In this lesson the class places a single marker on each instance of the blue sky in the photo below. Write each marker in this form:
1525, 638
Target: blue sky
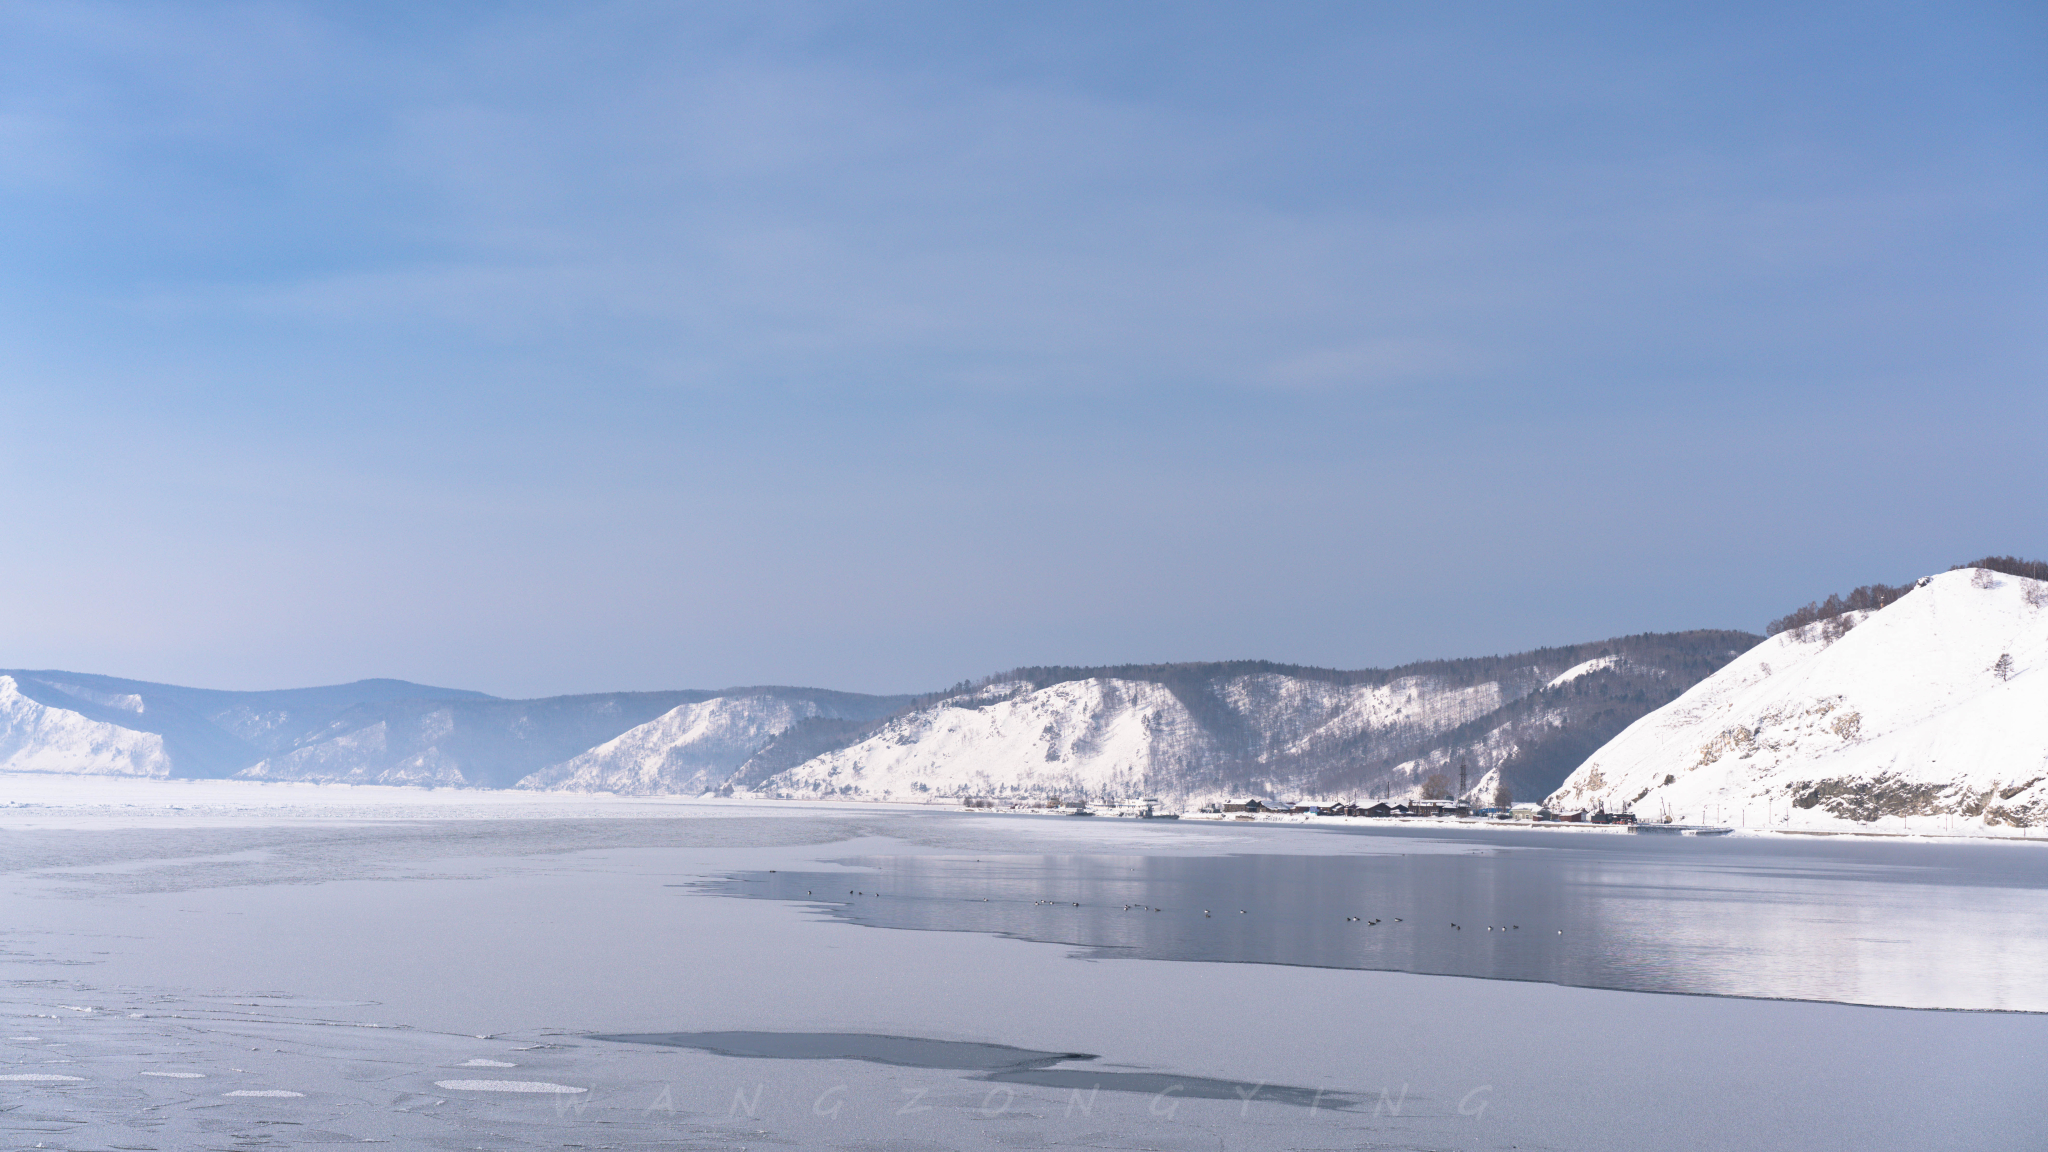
554, 348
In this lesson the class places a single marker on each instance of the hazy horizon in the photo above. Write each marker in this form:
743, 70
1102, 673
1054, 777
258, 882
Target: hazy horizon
539, 351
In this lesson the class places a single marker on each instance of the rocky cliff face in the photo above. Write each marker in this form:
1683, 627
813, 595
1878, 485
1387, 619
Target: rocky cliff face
1933, 708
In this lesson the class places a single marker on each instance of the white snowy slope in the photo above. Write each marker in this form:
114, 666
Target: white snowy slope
690, 749
1935, 706
1584, 669
362, 756
1080, 738
39, 738
124, 701
1107, 737
1298, 717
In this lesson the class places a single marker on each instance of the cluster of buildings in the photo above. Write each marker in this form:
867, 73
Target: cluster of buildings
1383, 808
1249, 808
1148, 808
1411, 808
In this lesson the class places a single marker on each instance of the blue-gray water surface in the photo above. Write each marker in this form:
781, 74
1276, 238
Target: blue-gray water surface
1918, 925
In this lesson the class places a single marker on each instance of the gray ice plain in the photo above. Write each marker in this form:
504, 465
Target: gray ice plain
216, 965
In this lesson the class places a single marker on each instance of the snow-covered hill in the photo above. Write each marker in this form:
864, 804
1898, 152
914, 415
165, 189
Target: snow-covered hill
1088, 738
1199, 732
699, 746
1932, 709
37, 737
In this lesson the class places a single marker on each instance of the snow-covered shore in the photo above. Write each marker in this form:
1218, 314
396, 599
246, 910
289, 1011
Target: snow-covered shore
1795, 824
39, 798
33, 800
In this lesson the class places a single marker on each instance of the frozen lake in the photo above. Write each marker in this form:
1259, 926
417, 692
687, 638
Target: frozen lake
1917, 925
281, 966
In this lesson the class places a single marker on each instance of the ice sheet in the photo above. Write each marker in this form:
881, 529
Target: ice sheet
363, 963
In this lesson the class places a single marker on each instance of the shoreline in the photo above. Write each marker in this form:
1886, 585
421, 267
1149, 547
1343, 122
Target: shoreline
79, 797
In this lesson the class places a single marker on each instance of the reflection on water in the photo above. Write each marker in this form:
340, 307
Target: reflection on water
1907, 925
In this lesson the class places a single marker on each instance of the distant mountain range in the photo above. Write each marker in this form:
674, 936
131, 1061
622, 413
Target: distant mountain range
1856, 709
394, 732
1181, 730
79, 722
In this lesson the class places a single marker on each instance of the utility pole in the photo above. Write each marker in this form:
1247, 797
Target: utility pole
1461, 779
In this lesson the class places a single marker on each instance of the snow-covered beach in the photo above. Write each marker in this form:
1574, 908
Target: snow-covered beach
213, 960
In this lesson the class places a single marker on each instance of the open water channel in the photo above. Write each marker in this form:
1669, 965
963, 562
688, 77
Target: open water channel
1901, 924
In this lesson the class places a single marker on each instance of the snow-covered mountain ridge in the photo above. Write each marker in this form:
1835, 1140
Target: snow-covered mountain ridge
635, 742
1892, 705
194, 732
1184, 730
368, 732
1201, 731
1934, 706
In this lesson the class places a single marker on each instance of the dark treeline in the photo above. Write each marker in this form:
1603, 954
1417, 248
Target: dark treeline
1554, 730
807, 738
1868, 598
1871, 597
1458, 673
2010, 566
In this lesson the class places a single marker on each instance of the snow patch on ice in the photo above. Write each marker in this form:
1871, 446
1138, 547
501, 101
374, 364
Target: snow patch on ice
506, 1086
